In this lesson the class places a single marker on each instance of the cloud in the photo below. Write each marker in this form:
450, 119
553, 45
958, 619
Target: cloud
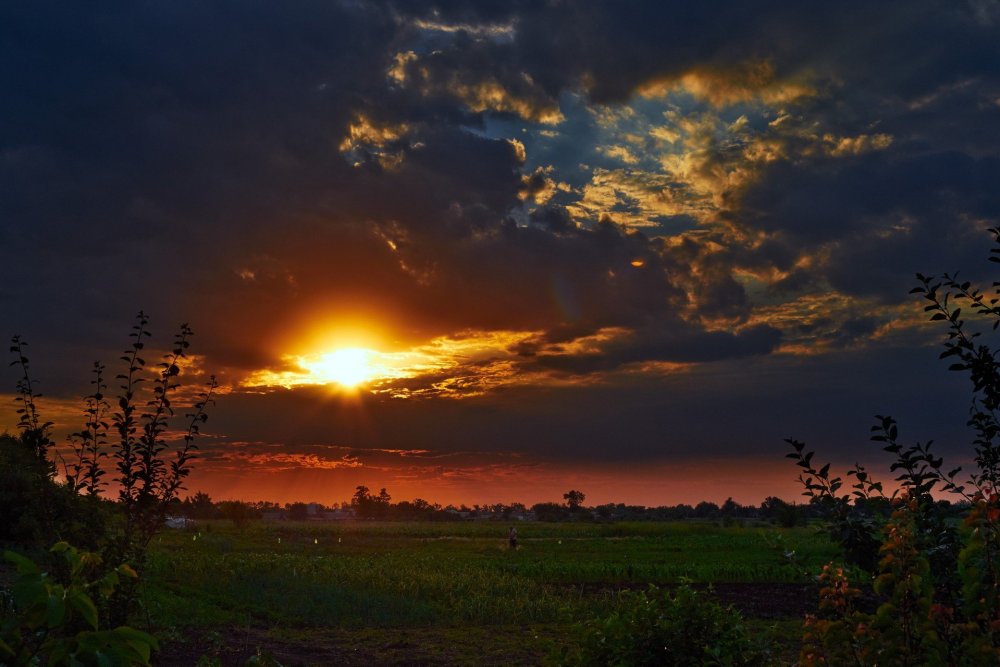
615, 192
659, 343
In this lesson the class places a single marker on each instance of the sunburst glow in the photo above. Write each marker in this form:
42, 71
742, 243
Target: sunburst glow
447, 365
348, 367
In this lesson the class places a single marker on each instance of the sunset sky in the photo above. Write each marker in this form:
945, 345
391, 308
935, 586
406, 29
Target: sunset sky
492, 251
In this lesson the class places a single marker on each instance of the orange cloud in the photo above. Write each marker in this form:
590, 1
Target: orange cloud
753, 81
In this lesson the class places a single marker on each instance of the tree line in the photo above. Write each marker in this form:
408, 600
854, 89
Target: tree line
365, 505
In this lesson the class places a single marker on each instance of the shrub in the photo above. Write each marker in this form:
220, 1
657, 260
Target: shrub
36, 509
131, 440
56, 623
938, 588
653, 627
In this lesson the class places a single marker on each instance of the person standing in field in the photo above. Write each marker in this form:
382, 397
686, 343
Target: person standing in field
512, 537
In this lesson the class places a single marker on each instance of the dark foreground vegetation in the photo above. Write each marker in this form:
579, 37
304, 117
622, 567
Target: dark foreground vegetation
903, 577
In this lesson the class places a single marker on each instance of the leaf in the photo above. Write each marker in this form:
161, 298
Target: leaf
59, 547
141, 642
107, 585
29, 592
82, 604
23, 565
55, 608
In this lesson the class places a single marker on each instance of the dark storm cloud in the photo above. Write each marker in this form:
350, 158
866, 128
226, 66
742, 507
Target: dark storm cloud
834, 198
683, 344
881, 216
614, 47
146, 147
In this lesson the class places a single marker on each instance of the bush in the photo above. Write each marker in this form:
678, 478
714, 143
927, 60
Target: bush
56, 623
131, 441
937, 588
653, 627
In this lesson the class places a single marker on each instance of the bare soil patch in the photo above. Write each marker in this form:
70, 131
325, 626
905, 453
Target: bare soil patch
410, 646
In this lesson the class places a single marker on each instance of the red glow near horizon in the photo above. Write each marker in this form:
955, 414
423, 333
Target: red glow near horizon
747, 482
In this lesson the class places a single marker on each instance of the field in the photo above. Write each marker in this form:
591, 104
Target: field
449, 593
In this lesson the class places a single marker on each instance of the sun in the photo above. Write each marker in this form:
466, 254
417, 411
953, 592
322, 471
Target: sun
348, 367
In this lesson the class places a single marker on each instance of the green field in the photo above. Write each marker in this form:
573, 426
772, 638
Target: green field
446, 593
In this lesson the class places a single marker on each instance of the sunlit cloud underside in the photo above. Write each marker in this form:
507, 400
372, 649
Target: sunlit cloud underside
442, 360
469, 364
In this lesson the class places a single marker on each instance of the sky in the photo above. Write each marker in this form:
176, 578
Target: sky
491, 251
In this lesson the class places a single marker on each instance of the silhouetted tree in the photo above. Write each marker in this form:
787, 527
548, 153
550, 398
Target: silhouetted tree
706, 510
782, 513
297, 511
550, 512
199, 506
368, 506
574, 499
238, 512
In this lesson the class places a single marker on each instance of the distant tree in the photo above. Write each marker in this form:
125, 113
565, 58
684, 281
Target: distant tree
732, 510
683, 511
786, 515
297, 511
421, 505
199, 506
706, 510
261, 506
368, 506
574, 499
361, 494
382, 505
550, 512
605, 512
238, 512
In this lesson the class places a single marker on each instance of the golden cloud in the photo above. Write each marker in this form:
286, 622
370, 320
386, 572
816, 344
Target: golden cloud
648, 194
491, 95
750, 82
368, 138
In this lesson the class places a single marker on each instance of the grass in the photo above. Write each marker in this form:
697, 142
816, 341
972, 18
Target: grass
364, 576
